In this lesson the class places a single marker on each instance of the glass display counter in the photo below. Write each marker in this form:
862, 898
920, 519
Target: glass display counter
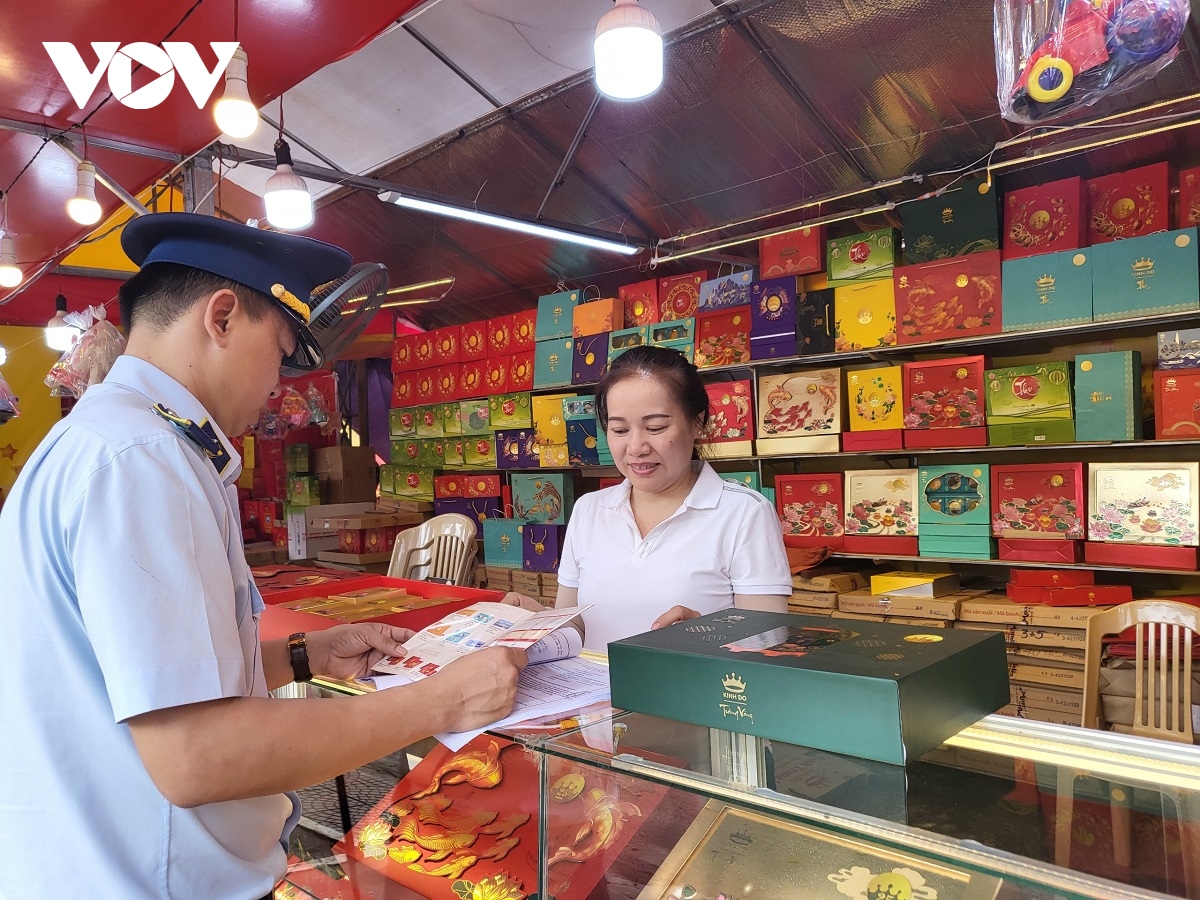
624, 805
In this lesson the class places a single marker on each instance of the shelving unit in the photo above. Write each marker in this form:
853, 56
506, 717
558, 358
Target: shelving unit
1002, 345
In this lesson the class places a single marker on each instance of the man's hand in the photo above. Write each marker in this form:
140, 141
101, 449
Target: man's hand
348, 651
673, 615
512, 598
480, 687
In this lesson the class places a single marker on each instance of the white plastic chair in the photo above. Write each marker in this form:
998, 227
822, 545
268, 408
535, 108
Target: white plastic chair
442, 548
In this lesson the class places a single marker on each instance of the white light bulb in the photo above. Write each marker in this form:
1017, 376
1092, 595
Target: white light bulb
83, 207
289, 204
3, 356
10, 275
236, 115
628, 52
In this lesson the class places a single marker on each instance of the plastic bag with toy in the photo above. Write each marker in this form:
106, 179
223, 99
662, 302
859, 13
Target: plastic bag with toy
91, 356
1054, 57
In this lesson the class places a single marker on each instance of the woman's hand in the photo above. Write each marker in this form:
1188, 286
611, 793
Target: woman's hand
512, 598
348, 651
673, 615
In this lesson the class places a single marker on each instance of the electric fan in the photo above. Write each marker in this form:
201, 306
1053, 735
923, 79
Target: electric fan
342, 308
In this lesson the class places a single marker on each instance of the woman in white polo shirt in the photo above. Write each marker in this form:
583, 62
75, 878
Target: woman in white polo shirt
674, 540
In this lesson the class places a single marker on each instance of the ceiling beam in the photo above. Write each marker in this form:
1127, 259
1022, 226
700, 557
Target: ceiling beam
49, 134
538, 138
784, 79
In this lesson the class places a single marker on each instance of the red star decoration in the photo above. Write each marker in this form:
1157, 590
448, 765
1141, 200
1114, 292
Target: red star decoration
8, 452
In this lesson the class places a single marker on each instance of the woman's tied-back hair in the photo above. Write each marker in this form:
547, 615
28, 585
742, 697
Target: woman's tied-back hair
669, 367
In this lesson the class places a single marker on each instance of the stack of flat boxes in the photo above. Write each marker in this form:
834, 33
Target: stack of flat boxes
816, 594
904, 598
1045, 646
954, 511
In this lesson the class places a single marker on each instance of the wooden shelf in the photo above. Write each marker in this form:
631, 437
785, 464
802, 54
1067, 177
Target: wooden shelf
1011, 563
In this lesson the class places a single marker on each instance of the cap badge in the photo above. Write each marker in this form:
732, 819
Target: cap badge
291, 301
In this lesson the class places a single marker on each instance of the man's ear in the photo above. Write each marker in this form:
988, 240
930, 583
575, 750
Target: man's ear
219, 311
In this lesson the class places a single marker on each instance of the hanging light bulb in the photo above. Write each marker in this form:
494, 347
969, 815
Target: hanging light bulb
83, 207
10, 275
628, 52
289, 204
3, 355
236, 115
59, 335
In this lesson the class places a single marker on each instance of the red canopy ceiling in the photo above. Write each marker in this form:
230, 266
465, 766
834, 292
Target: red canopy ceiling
286, 41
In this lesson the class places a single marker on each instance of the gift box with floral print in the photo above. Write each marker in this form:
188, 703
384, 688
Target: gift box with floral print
1144, 503
943, 403
1143, 514
730, 429
810, 510
875, 407
1036, 507
724, 337
881, 512
800, 412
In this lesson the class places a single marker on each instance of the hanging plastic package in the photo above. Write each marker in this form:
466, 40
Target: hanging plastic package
91, 356
1055, 57
8, 402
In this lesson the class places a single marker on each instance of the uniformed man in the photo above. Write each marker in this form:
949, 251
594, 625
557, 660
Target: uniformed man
140, 753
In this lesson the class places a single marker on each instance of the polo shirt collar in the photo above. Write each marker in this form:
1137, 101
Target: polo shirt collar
160, 388
705, 493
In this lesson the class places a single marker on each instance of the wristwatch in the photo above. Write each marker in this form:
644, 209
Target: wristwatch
298, 654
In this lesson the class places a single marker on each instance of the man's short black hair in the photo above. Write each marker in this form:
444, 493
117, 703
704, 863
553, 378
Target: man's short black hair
161, 293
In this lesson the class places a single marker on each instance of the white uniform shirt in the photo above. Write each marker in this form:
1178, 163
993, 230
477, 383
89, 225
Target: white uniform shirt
725, 539
125, 590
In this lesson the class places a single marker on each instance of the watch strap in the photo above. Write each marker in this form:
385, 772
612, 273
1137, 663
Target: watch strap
298, 654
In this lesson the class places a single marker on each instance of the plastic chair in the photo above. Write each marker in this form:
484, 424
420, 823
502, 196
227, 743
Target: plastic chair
442, 548
1162, 708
